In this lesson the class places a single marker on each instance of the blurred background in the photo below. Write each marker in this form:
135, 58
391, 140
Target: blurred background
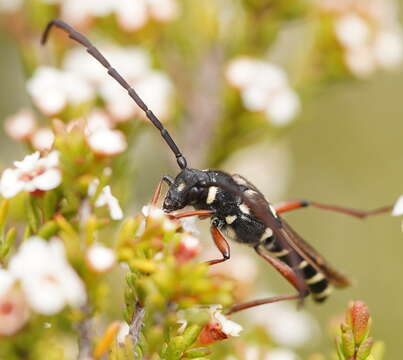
337, 140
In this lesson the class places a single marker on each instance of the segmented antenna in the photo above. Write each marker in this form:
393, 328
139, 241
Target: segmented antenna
92, 50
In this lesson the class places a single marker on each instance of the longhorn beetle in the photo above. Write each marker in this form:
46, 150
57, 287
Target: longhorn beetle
237, 209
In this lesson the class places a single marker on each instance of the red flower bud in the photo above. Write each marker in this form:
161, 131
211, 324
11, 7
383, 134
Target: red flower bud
211, 333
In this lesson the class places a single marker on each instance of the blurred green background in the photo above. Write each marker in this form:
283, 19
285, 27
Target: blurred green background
347, 149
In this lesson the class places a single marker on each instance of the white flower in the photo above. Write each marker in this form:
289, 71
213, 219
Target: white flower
106, 198
100, 258
52, 89
163, 10
133, 63
31, 174
7, 280
97, 120
228, 327
264, 87
398, 208
388, 49
282, 106
101, 138
189, 225
360, 61
131, 15
10, 6
107, 142
152, 212
352, 30
47, 279
370, 34
21, 125
43, 139
155, 90
242, 267
287, 326
281, 354
124, 330
14, 310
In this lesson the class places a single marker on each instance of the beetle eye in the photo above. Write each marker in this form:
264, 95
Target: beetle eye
194, 193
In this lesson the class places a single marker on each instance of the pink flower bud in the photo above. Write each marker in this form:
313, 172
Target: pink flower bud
359, 319
187, 249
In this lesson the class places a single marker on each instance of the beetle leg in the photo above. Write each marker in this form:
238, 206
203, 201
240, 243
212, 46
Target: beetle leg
221, 244
165, 179
157, 193
284, 271
201, 213
297, 204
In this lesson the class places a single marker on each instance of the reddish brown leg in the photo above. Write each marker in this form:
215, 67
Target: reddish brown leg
284, 271
293, 205
157, 193
167, 179
201, 213
221, 244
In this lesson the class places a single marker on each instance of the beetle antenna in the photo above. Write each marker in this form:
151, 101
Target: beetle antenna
92, 50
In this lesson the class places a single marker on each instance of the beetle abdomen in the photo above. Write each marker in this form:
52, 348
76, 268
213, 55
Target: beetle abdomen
315, 280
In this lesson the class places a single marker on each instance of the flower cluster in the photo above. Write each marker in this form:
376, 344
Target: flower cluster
32, 174
81, 80
368, 32
38, 278
264, 87
130, 15
23, 126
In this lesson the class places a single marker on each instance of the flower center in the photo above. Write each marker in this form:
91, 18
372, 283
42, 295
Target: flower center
28, 176
6, 308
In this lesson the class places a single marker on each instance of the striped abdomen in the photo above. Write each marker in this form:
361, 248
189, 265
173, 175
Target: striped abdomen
315, 280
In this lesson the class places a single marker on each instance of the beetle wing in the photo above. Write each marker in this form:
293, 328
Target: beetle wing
311, 255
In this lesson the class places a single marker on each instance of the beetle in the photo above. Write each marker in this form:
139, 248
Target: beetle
237, 209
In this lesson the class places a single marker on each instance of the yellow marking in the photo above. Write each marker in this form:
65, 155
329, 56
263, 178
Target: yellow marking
279, 253
268, 233
244, 208
324, 293
314, 279
230, 219
303, 264
212, 192
250, 192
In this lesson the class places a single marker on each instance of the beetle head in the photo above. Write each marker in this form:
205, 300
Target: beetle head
185, 189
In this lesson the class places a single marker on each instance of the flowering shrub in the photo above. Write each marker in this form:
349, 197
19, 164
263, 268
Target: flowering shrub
84, 275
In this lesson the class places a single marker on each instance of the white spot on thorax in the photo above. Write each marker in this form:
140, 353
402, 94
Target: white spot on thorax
244, 208
230, 219
181, 186
212, 192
